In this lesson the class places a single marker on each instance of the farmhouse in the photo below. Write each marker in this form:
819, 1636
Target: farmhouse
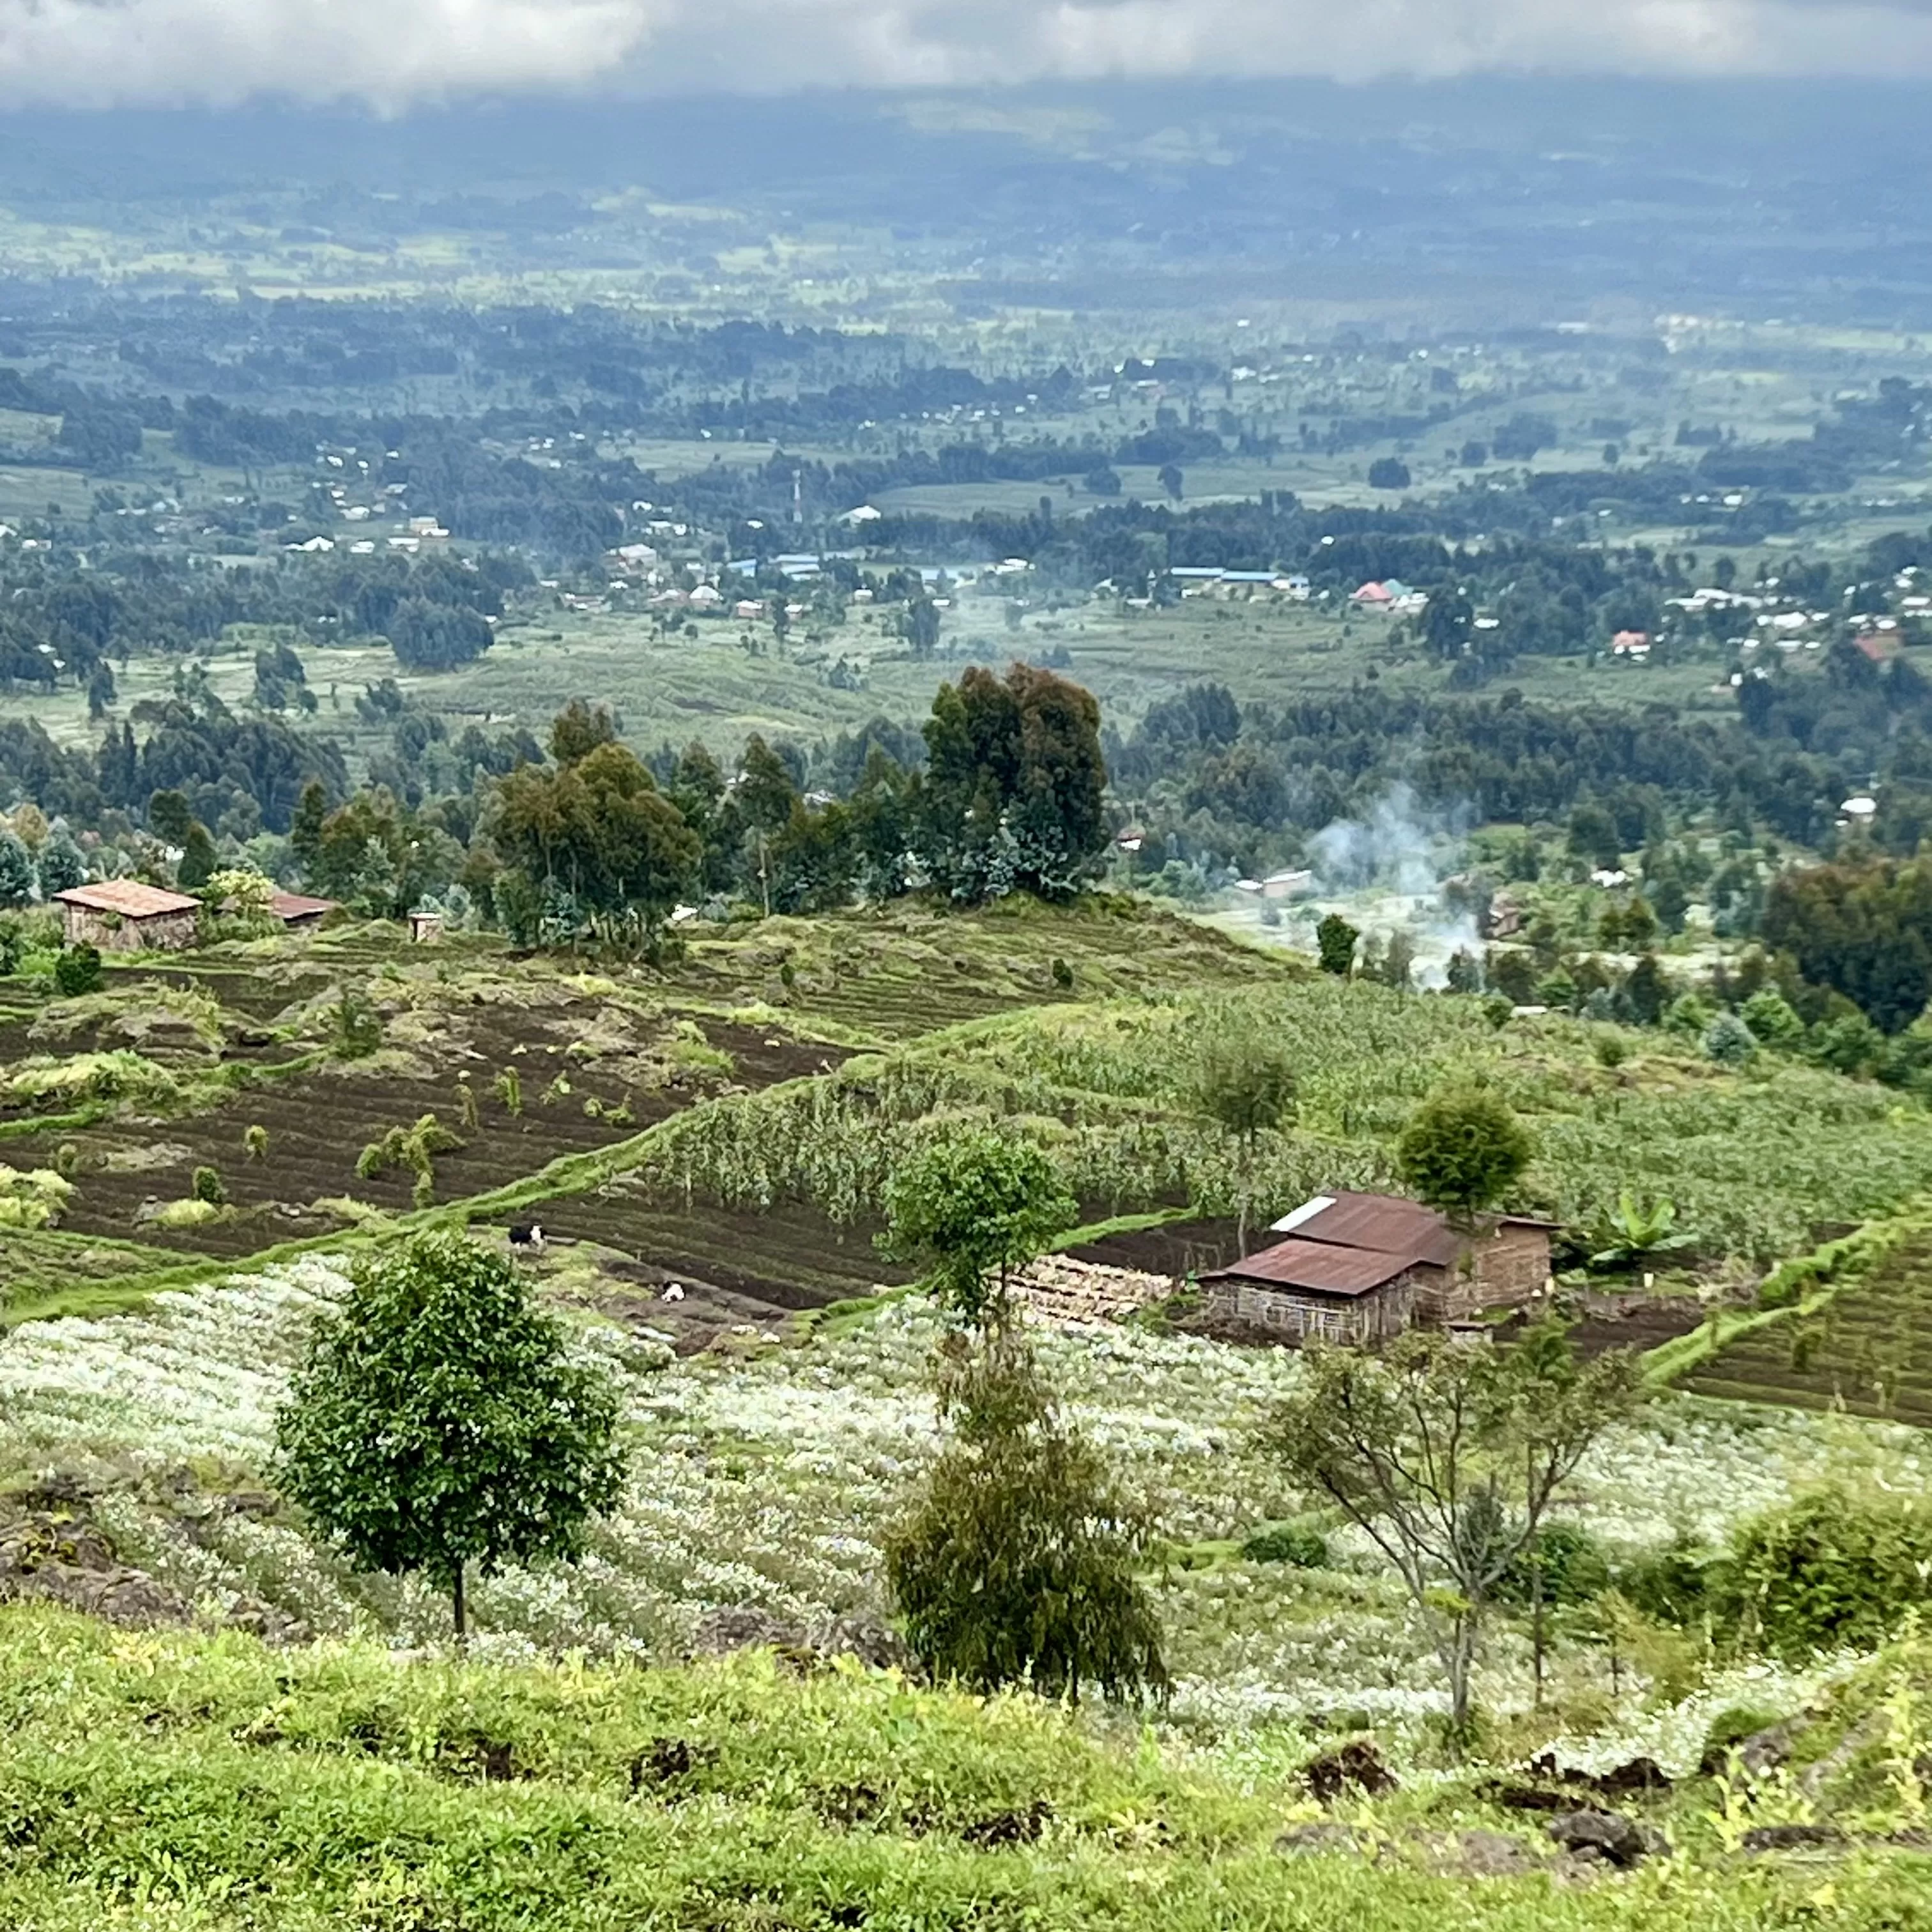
123, 915
298, 912
1359, 1268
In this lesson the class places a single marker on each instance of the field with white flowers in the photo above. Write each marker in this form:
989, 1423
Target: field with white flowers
763, 1475
731, 1124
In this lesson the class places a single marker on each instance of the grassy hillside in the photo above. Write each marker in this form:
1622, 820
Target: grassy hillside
167, 1782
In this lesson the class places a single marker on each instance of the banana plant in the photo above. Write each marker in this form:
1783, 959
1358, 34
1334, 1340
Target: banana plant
1633, 1231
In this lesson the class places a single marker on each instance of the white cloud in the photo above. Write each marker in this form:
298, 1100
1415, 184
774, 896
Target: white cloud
100, 51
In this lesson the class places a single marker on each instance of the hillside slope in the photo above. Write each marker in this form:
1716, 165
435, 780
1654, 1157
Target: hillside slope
167, 1782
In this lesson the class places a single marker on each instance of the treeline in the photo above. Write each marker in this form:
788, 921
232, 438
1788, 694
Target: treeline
1209, 777
588, 842
60, 623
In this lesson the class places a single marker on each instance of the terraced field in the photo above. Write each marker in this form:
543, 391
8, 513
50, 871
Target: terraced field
1869, 1351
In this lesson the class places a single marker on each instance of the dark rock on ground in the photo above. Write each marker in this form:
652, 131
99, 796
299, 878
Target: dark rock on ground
1019, 1826
1606, 1835
57, 1554
1524, 1797
1790, 1838
1357, 1766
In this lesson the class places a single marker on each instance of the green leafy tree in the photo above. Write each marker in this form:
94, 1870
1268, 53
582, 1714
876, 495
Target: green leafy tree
1013, 798
1019, 1561
437, 1422
973, 1207
1462, 1150
919, 626
1335, 942
1448, 1457
60, 865
1244, 1082
199, 861
1772, 1022
17, 871
599, 829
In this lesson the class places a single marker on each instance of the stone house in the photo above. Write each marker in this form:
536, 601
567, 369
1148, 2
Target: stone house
1358, 1268
124, 916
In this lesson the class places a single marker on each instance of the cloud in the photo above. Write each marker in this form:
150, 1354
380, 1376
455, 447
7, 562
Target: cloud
392, 52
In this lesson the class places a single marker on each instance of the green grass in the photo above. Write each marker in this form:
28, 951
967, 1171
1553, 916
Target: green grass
174, 1781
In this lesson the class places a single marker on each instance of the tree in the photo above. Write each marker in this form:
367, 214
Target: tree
599, 829
578, 729
1448, 1456
198, 860
437, 1422
1018, 1562
1335, 940
1388, 472
919, 626
1170, 479
1462, 1150
1015, 786
1447, 620
16, 870
1245, 1083
972, 1207
305, 828
60, 866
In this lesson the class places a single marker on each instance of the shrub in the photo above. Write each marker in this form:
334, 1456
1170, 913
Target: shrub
1299, 1545
1018, 1564
509, 1087
1829, 1571
209, 1187
1610, 1050
1729, 1041
1063, 975
1564, 1561
77, 971
1462, 1150
357, 1026
255, 1143
1772, 1022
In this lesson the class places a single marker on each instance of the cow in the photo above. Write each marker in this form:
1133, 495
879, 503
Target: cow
526, 1237
675, 1292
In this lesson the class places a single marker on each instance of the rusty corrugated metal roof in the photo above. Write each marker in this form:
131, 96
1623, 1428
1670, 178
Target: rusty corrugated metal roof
1386, 1223
298, 905
129, 898
1317, 1266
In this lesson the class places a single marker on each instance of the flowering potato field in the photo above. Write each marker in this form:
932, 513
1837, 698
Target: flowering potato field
764, 1476
1754, 1161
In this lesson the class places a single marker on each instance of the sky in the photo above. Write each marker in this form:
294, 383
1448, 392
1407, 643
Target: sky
391, 55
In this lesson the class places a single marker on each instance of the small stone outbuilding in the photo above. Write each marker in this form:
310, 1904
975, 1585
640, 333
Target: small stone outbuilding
124, 916
1360, 1268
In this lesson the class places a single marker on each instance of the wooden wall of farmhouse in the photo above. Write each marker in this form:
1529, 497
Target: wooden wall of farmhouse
1511, 1265
110, 932
1295, 1317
